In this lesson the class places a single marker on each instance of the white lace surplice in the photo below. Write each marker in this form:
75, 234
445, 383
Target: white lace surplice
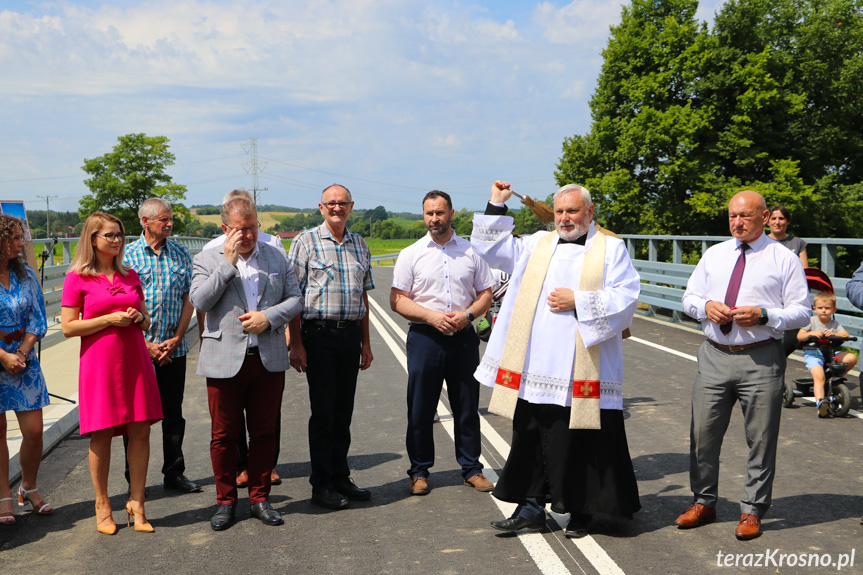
602, 315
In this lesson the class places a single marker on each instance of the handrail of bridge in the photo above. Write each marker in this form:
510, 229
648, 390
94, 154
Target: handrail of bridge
827, 260
663, 283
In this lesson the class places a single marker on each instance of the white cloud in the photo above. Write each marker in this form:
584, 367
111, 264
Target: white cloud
395, 91
581, 22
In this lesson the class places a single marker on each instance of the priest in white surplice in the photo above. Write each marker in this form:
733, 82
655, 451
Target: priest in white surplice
555, 360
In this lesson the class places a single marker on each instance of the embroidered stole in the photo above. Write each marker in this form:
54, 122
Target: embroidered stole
585, 388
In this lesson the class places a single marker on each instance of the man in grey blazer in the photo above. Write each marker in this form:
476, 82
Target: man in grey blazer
249, 293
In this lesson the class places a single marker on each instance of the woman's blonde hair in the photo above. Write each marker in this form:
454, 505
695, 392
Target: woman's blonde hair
9, 225
84, 262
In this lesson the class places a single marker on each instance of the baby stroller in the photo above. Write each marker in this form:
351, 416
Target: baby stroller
835, 391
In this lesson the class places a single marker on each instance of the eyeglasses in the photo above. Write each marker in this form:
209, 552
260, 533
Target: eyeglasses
112, 237
250, 229
333, 205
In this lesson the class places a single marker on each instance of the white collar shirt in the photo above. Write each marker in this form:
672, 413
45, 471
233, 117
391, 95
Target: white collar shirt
441, 278
248, 271
773, 279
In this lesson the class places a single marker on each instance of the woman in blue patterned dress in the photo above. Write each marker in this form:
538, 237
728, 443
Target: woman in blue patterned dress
22, 385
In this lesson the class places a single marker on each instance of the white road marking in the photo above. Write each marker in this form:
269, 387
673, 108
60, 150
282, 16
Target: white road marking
535, 543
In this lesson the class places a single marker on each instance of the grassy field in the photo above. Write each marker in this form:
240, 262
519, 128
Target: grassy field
267, 219
377, 247
404, 223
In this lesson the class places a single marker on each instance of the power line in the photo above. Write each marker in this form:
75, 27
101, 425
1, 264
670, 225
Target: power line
253, 166
48, 212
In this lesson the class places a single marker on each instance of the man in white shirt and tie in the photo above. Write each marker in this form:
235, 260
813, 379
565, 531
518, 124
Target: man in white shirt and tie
745, 292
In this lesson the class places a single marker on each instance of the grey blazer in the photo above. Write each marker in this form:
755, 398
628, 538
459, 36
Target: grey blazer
217, 290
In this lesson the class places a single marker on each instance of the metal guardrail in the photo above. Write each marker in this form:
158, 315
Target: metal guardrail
379, 260
663, 285
827, 259
55, 274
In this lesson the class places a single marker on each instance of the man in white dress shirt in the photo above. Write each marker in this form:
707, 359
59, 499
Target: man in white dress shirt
582, 471
440, 284
745, 292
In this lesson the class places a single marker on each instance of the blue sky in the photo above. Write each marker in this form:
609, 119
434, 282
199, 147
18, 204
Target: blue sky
389, 97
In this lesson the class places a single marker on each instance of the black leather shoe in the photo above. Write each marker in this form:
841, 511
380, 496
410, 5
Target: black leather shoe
577, 526
517, 523
223, 518
349, 489
329, 499
181, 483
265, 512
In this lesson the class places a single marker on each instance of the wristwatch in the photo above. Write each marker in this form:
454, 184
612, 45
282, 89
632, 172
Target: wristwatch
763, 319
470, 317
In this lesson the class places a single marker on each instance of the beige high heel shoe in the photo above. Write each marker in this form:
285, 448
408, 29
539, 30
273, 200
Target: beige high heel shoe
24, 497
7, 518
144, 526
105, 524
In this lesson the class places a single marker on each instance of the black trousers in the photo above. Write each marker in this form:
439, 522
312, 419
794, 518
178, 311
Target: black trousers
171, 379
333, 361
432, 358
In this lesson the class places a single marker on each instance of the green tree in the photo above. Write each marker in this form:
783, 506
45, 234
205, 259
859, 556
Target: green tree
684, 117
378, 214
123, 178
643, 155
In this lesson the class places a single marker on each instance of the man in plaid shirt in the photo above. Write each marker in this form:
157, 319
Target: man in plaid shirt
165, 269
331, 342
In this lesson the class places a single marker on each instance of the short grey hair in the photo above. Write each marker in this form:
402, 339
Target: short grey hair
569, 188
241, 205
350, 197
152, 207
237, 193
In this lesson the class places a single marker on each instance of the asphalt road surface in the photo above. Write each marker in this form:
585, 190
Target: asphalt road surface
815, 514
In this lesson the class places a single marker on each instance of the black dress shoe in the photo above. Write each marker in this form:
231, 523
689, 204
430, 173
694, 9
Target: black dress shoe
329, 499
577, 526
517, 523
181, 483
265, 512
349, 489
223, 518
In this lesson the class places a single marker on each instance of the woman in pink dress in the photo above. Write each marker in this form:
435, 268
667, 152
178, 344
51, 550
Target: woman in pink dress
103, 304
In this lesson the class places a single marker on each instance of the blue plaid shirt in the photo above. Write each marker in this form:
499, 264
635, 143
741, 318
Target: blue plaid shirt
332, 275
165, 278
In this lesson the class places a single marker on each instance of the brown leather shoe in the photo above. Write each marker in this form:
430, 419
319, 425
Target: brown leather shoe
696, 515
419, 485
243, 479
479, 482
274, 478
749, 527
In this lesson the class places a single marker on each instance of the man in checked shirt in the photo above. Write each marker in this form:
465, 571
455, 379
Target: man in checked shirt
331, 342
165, 269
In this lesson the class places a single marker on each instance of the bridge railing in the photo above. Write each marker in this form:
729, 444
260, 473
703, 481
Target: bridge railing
55, 274
663, 283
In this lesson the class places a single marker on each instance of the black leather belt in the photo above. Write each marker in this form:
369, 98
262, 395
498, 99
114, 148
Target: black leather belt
737, 348
333, 323
253, 351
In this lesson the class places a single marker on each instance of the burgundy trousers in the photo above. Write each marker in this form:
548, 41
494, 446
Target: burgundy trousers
257, 391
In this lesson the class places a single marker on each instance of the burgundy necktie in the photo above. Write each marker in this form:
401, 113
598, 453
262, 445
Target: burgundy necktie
734, 286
